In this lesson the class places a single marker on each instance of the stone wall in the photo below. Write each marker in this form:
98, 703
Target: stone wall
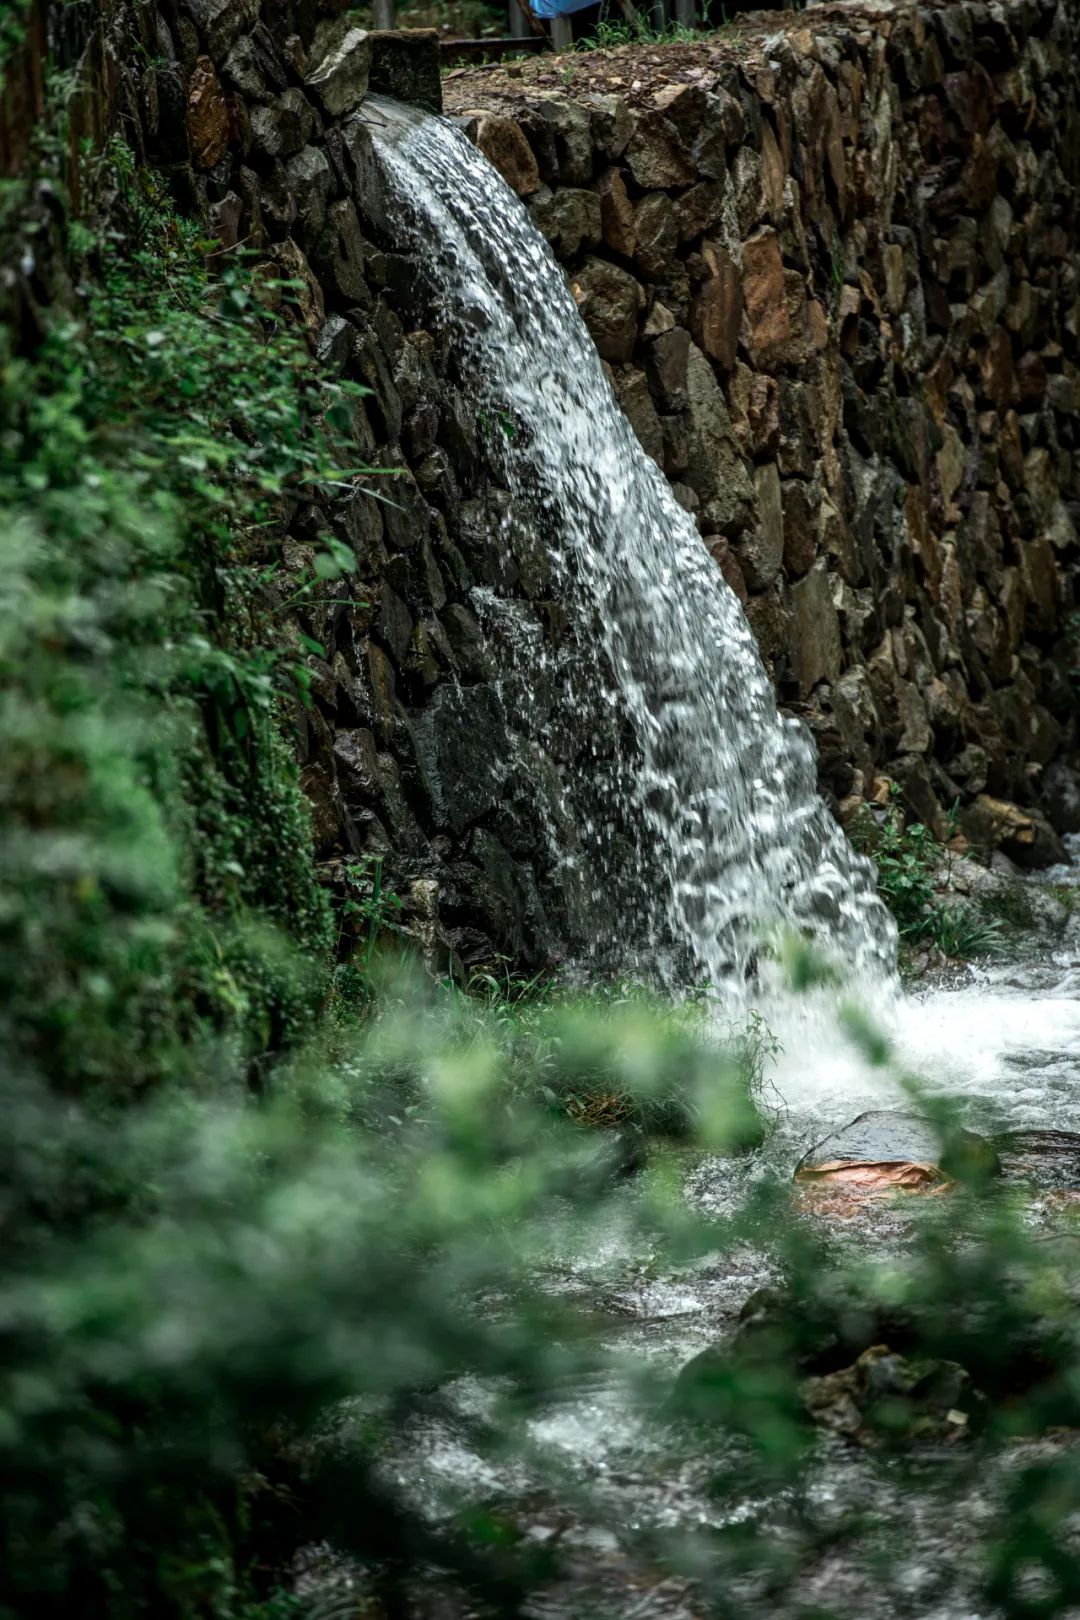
251, 110
830, 260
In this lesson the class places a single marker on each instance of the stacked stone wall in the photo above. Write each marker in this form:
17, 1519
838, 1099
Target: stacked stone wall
830, 262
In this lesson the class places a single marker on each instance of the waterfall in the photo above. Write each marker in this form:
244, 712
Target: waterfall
700, 824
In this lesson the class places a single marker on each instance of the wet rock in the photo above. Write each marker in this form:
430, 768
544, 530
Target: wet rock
569, 218
1060, 788
558, 132
1045, 1159
339, 255
255, 67
220, 21
815, 629
666, 364
656, 156
283, 126
405, 65
656, 235
888, 1397
717, 307
761, 548
633, 394
311, 181
888, 1149
616, 214
715, 470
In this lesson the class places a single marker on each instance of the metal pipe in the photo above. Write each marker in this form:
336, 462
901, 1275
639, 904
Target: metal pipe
384, 13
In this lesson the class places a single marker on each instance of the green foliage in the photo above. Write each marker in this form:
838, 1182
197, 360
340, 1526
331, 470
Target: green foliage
167, 1364
157, 836
909, 860
611, 33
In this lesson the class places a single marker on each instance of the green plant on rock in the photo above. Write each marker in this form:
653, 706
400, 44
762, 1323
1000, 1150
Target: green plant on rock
908, 860
158, 839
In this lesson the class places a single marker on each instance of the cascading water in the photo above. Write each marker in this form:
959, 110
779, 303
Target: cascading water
715, 791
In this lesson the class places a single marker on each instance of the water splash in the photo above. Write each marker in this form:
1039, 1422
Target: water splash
696, 803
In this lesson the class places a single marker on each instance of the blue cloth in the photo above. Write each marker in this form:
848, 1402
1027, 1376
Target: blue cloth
558, 8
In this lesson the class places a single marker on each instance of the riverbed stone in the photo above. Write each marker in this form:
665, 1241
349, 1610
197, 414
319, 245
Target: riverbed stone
889, 1137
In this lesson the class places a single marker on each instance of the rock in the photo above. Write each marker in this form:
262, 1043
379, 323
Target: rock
1060, 791
655, 155
885, 1396
559, 134
656, 235
715, 470
761, 547
666, 364
341, 55
610, 302
1047, 1159
504, 145
815, 630
568, 218
207, 116
306, 296
699, 209
717, 307
255, 67
616, 214
461, 749
1023, 835
775, 301
611, 124
311, 181
283, 126
632, 392
405, 64
339, 255
221, 21
885, 1150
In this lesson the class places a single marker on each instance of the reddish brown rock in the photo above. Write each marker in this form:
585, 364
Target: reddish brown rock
775, 302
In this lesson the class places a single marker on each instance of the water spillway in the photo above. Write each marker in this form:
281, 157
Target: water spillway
695, 802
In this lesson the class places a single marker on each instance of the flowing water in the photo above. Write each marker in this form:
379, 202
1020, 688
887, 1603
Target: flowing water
728, 835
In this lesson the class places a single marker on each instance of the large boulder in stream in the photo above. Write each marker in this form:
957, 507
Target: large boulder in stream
886, 1150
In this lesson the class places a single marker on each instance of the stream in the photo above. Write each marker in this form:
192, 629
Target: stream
1002, 1038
